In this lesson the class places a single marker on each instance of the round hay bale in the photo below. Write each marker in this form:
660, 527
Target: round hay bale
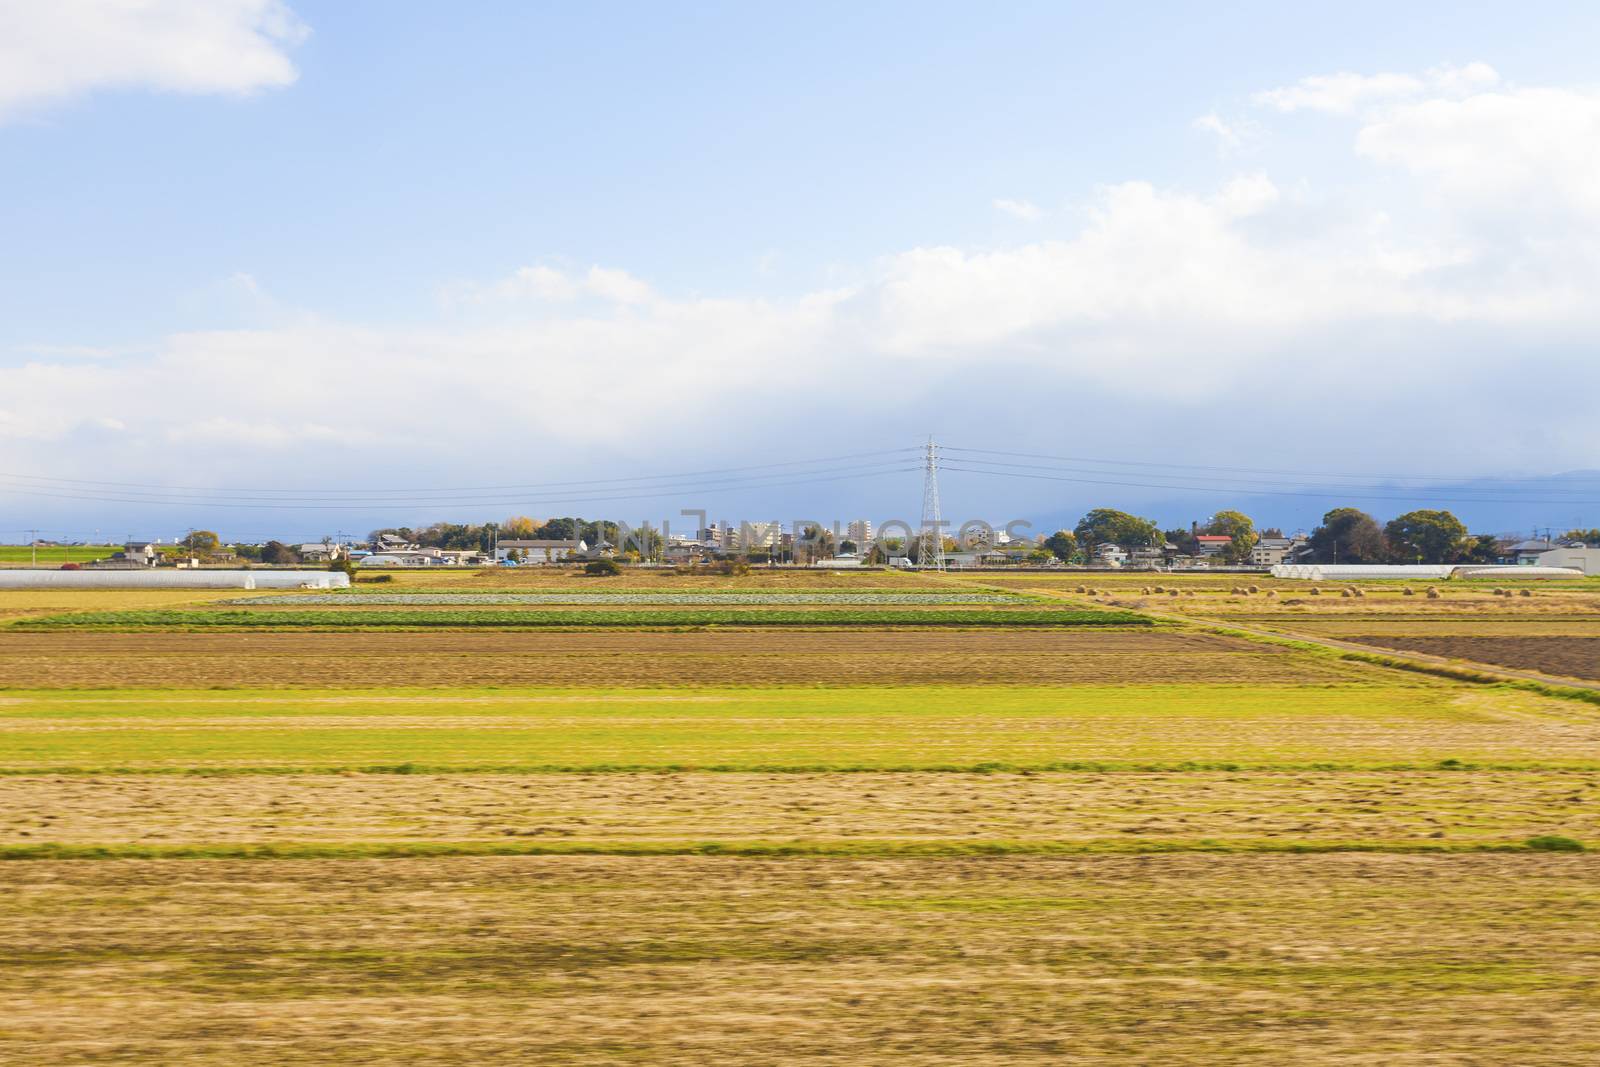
1347, 594
1408, 591
1080, 589
1315, 591
1433, 594
1524, 592
1272, 594
1254, 589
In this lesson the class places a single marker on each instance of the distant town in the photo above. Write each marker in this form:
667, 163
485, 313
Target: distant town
1104, 538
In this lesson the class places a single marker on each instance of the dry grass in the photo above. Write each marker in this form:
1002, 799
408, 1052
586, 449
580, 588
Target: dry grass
1234, 809
93, 659
26, 603
601, 960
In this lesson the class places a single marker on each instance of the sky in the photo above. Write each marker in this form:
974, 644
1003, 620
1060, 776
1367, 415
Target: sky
295, 269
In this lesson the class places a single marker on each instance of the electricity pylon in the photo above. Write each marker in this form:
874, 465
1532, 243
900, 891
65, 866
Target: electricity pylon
930, 542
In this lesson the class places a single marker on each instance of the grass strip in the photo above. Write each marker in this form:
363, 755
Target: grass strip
533, 620
409, 850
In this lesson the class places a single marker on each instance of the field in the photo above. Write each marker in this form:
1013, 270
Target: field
798, 817
54, 555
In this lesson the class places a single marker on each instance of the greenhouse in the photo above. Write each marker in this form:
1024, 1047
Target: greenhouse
1349, 572
184, 578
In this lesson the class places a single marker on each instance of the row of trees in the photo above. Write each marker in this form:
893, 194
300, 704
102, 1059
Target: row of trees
1346, 535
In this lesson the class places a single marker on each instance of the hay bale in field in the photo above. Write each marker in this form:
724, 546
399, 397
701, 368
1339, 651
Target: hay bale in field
1145, 591
1525, 592
1255, 589
1497, 591
1358, 592
1433, 594
1080, 589
1272, 594
1161, 589
1347, 594
1315, 591
1408, 591
1174, 592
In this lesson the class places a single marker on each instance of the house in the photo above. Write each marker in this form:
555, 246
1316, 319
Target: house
141, 552
392, 543
320, 553
542, 550
1111, 555
843, 561
1212, 544
1271, 551
1527, 553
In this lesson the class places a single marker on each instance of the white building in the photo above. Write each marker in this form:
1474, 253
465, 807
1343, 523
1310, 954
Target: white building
860, 532
1586, 560
538, 551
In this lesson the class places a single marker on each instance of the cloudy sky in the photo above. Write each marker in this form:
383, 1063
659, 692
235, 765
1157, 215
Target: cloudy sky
307, 267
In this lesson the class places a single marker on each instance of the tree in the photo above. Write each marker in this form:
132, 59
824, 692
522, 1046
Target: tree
1238, 526
1481, 548
1348, 535
1062, 544
1104, 526
1588, 537
278, 552
201, 542
345, 566
1183, 540
1425, 535
518, 527
602, 568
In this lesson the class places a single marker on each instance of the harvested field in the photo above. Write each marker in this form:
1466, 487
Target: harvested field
1184, 959
530, 579
1394, 626
364, 598
73, 659
27, 603
1447, 809
1416, 725
1573, 657
506, 617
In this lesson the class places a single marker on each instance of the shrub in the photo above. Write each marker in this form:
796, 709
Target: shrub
1554, 843
602, 568
376, 578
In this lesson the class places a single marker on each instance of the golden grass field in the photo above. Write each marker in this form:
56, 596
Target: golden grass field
994, 845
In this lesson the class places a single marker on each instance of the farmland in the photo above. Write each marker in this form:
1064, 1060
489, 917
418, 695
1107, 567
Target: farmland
966, 819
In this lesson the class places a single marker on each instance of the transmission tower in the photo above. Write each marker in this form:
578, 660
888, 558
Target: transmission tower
930, 543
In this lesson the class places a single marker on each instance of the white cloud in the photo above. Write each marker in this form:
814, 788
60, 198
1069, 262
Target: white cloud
1171, 313
1026, 210
1227, 134
60, 49
1346, 93
1526, 152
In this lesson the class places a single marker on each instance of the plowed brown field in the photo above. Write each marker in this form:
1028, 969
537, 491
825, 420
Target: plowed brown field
1574, 657
244, 660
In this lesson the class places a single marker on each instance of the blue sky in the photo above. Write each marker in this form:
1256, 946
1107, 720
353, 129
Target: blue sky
260, 245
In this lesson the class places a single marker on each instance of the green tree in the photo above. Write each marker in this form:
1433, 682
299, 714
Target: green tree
1480, 548
1426, 535
602, 568
1238, 526
201, 542
1062, 544
1104, 526
1348, 535
1588, 537
279, 553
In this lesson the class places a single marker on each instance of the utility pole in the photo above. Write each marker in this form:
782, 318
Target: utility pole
33, 542
930, 545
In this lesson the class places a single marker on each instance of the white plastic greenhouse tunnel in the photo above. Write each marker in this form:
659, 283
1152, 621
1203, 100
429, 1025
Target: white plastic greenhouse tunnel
172, 579
1349, 572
